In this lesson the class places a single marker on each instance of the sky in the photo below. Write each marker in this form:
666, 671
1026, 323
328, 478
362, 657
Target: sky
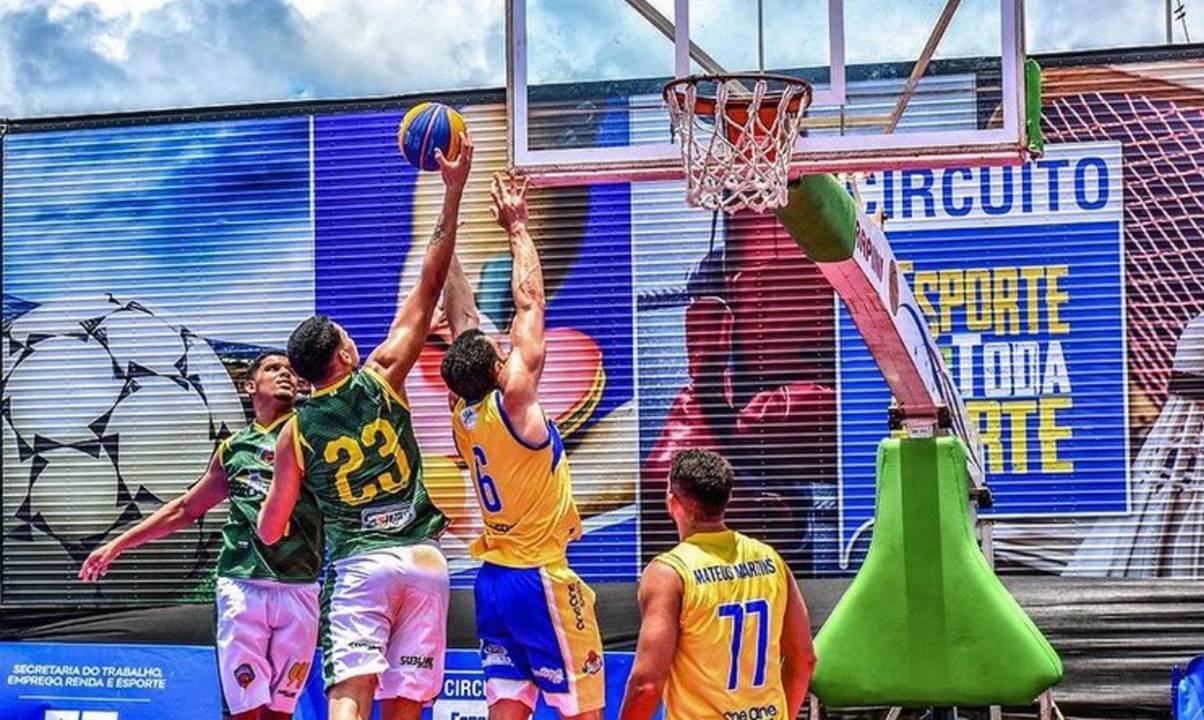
65, 57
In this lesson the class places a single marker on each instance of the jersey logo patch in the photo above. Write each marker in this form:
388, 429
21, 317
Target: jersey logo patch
255, 482
389, 517
244, 675
422, 662
267, 454
495, 655
577, 603
468, 417
552, 675
593, 663
297, 674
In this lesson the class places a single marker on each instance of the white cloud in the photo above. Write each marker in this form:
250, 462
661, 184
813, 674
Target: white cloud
387, 48
1089, 24
78, 56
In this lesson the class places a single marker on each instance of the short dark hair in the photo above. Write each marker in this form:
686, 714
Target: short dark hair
704, 479
260, 359
468, 366
312, 346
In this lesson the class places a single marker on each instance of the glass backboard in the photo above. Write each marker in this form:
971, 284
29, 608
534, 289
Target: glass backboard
920, 83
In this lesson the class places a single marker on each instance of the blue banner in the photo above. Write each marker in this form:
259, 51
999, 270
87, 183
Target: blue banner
1019, 274
69, 681
61, 681
463, 696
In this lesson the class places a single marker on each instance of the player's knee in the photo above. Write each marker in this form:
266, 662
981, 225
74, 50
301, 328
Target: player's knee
509, 710
350, 696
400, 709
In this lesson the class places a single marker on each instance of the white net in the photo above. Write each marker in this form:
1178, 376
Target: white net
735, 141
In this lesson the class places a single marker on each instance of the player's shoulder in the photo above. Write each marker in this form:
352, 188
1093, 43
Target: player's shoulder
244, 438
241, 435
751, 543
751, 546
272, 430
486, 411
463, 414
371, 379
682, 557
665, 570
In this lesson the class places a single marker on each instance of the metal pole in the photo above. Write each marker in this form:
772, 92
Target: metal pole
666, 28
1170, 23
760, 35
921, 66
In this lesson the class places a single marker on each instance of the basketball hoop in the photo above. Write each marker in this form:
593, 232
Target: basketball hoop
736, 144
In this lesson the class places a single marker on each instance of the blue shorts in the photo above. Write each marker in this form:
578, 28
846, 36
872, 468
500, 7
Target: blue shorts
538, 633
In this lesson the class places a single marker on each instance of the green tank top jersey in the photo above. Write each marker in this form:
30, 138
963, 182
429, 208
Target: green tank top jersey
362, 463
247, 457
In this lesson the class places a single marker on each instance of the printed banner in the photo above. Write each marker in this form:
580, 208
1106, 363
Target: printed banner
1018, 272
76, 681
463, 696
736, 354
61, 681
153, 292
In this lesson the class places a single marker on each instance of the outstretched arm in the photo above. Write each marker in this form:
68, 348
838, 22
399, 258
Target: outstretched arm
394, 357
459, 309
286, 486
459, 305
520, 377
660, 611
798, 654
181, 512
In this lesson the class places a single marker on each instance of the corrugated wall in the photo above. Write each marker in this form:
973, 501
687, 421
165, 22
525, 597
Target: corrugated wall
145, 265
136, 260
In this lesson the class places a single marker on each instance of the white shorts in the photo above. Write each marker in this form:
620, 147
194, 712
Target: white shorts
266, 632
384, 613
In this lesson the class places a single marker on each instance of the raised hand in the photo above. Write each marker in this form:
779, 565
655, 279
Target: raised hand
455, 172
509, 193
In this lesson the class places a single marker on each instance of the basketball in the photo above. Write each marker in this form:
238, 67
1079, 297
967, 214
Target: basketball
426, 127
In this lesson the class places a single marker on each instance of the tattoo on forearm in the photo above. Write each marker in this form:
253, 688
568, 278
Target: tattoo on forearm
530, 278
439, 234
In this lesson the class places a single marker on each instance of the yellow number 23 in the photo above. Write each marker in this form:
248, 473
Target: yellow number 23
381, 435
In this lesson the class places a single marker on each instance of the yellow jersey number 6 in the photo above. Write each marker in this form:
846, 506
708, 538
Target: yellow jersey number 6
370, 436
485, 484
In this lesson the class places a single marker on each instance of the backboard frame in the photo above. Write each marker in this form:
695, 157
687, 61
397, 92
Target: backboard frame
1006, 145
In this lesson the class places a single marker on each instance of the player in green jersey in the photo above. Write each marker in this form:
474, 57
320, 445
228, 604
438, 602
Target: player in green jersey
384, 600
267, 595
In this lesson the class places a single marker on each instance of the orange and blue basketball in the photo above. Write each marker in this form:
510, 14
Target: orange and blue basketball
428, 126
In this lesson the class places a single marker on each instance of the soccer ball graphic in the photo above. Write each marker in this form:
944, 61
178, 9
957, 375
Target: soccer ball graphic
110, 408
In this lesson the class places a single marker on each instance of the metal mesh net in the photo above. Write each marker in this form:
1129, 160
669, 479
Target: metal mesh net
736, 133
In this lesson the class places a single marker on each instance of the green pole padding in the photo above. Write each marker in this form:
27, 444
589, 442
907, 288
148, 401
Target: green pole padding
926, 622
1032, 107
821, 216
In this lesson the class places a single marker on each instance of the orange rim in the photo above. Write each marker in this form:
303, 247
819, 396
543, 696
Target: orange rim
738, 107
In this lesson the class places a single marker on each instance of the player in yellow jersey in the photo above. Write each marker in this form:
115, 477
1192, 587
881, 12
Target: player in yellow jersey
535, 617
724, 631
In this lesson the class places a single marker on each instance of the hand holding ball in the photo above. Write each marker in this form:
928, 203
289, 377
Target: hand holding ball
428, 127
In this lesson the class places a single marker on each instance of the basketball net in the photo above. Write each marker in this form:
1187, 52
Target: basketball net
735, 143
